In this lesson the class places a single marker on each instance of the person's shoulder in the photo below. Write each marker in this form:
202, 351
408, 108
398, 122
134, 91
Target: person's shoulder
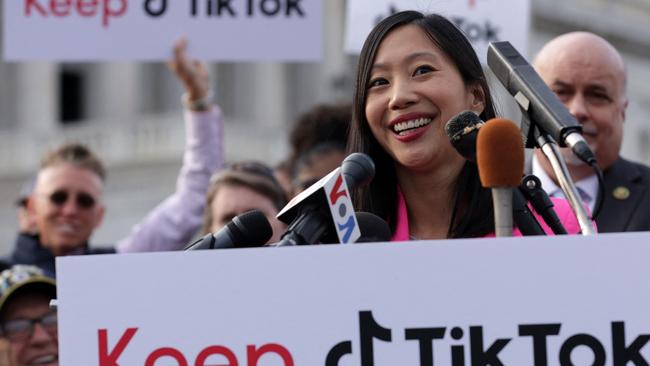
634, 170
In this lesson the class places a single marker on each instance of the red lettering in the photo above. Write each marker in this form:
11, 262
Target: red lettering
335, 194
108, 12
29, 4
110, 359
60, 8
166, 352
216, 350
87, 8
255, 354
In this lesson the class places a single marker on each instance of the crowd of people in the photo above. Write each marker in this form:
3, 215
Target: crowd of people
415, 72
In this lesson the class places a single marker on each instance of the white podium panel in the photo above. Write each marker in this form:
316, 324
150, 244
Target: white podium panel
512, 301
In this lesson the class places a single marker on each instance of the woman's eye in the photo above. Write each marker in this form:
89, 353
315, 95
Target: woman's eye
422, 70
377, 82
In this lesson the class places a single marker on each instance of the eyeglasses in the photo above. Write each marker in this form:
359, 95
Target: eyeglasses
83, 200
20, 330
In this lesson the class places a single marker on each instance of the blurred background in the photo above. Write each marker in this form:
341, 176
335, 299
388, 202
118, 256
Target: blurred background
130, 113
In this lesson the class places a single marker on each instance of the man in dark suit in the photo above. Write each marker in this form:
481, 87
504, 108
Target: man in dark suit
588, 75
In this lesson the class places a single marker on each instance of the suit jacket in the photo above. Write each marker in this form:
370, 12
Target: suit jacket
626, 204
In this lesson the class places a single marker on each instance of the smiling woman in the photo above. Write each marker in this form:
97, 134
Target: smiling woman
415, 73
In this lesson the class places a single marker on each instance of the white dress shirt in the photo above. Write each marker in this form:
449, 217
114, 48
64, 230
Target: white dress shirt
587, 187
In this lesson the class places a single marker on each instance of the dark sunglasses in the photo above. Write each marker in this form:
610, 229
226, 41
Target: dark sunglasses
83, 200
20, 330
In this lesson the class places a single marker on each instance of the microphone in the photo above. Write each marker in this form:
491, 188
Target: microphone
373, 228
250, 229
462, 131
324, 211
500, 158
535, 98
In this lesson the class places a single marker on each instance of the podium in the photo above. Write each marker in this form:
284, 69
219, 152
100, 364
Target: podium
519, 301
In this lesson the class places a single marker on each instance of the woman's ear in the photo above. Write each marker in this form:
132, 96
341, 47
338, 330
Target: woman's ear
477, 98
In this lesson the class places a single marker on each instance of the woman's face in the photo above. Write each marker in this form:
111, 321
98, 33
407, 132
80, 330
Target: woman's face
413, 90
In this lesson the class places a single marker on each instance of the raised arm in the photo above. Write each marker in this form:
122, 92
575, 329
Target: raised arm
171, 224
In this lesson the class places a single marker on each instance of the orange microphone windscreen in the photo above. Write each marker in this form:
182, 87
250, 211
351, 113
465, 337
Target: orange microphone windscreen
500, 154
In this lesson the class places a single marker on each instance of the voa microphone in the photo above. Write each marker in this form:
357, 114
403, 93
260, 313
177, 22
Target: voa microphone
324, 212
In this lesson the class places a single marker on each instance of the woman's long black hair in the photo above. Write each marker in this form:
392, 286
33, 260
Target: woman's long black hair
473, 215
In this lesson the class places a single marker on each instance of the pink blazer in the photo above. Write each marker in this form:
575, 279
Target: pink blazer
562, 208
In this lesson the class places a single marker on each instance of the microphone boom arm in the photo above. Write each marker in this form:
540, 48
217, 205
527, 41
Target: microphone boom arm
552, 151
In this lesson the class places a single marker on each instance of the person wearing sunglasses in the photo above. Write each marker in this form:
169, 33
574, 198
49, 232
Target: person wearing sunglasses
28, 326
67, 204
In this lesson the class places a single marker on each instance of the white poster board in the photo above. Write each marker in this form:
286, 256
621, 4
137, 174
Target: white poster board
521, 300
482, 21
144, 30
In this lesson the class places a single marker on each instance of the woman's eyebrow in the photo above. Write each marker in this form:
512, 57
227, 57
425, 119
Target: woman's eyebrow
409, 58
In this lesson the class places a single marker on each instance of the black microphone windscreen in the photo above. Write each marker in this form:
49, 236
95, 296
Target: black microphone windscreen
358, 169
372, 227
462, 130
250, 229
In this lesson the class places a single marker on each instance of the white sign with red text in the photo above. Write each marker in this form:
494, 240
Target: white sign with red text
566, 300
144, 30
482, 21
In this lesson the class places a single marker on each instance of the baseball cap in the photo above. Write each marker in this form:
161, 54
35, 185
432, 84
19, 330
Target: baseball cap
20, 277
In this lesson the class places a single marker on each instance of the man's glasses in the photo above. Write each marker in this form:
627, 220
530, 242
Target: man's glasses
19, 330
83, 200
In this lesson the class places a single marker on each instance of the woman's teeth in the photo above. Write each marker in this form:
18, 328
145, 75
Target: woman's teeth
401, 127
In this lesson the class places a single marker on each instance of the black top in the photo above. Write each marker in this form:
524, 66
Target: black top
626, 204
28, 250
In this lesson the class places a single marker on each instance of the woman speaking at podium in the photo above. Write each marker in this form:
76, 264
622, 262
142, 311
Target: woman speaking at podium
415, 73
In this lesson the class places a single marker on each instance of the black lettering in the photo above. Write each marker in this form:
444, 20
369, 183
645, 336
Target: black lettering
368, 330
457, 351
274, 9
539, 332
489, 356
156, 11
293, 5
425, 337
491, 32
193, 8
249, 8
622, 354
225, 5
337, 352
457, 355
582, 340
473, 32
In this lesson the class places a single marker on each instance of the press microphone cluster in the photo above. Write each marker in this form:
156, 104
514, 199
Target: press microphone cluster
462, 131
321, 214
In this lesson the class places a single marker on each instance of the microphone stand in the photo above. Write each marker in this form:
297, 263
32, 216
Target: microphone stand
531, 189
552, 151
